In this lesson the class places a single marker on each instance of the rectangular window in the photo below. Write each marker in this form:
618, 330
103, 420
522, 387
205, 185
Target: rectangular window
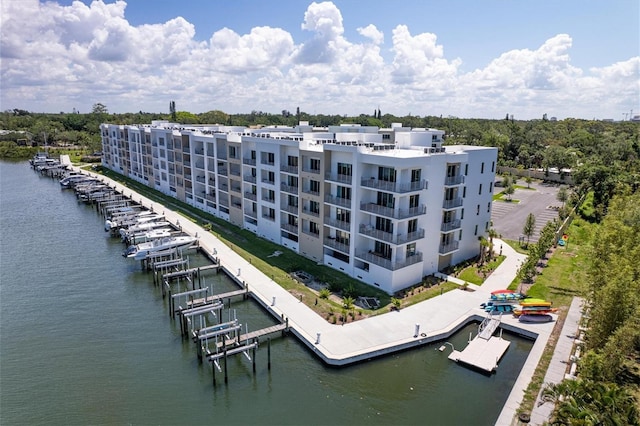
490, 187
343, 215
387, 174
411, 249
315, 164
488, 207
475, 232
482, 167
460, 235
414, 200
314, 228
344, 169
478, 210
386, 200
292, 200
462, 214
271, 158
383, 224
292, 161
343, 192
412, 226
383, 250
493, 166
486, 226
464, 191
466, 169
314, 207
415, 175
232, 152
480, 189
314, 186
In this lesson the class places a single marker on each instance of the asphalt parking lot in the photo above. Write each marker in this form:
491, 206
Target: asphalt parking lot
509, 217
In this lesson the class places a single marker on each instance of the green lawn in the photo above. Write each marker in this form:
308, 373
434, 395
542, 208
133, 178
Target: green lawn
474, 275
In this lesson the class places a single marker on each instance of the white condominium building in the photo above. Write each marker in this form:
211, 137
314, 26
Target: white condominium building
385, 206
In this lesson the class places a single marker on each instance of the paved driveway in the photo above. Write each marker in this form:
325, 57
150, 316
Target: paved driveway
509, 218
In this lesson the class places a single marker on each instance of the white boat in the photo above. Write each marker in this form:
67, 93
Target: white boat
126, 221
145, 236
142, 250
145, 226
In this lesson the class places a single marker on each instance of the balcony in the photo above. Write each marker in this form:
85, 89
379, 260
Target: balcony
268, 217
339, 178
289, 189
388, 237
268, 181
383, 262
340, 224
235, 172
454, 180
236, 188
310, 212
250, 196
450, 226
452, 204
289, 169
448, 248
396, 187
311, 233
249, 178
292, 229
311, 192
210, 197
308, 169
289, 208
334, 244
391, 212
249, 161
250, 213
337, 201
268, 199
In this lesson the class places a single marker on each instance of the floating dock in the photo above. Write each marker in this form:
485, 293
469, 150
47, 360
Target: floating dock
483, 354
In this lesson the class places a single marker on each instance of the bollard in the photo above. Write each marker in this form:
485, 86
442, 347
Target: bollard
417, 330
273, 301
317, 338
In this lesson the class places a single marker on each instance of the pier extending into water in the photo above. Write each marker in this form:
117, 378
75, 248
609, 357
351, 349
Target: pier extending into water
485, 350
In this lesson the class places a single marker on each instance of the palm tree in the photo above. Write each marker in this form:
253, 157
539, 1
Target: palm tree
492, 233
484, 244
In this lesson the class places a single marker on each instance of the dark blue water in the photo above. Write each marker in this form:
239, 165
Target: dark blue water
86, 338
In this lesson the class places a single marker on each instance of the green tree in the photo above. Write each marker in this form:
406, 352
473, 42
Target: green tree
562, 195
529, 226
528, 180
509, 191
99, 108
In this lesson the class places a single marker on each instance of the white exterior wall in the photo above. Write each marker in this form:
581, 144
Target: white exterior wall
357, 146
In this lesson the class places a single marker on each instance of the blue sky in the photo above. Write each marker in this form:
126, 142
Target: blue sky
462, 58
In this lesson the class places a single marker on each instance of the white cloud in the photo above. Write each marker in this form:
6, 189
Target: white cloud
59, 57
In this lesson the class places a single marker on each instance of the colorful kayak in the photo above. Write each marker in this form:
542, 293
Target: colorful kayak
535, 318
534, 302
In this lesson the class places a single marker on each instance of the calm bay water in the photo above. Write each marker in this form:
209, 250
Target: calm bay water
85, 338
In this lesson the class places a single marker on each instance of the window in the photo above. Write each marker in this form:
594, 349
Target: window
386, 200
161, 141
253, 154
415, 175
414, 200
387, 174
480, 189
292, 220
314, 186
493, 166
292, 181
452, 170
343, 215
460, 235
344, 169
271, 158
232, 152
475, 232
482, 167
315, 164
383, 224
466, 169
411, 249
314, 228
344, 192
464, 191
412, 226
314, 207
478, 210
292, 200
383, 250
292, 161
490, 187
462, 214
488, 207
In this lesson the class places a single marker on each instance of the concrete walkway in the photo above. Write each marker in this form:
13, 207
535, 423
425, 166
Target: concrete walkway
432, 320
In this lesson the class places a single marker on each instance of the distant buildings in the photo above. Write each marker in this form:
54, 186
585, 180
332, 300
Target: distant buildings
385, 206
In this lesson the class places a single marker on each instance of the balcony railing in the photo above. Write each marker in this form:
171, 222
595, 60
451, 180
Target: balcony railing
250, 213
311, 212
249, 178
210, 197
340, 224
249, 161
334, 244
338, 201
454, 180
268, 181
311, 233
310, 192
234, 172
448, 248
289, 169
392, 213
289, 189
452, 204
269, 217
450, 226
289, 209
236, 188
310, 170
388, 237
337, 177
268, 199
376, 259
397, 187
250, 195
293, 229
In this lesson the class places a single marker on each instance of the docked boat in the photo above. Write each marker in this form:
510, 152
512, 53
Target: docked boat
142, 250
140, 227
143, 237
